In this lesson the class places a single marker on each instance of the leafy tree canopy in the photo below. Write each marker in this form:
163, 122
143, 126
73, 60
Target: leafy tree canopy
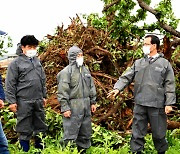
121, 20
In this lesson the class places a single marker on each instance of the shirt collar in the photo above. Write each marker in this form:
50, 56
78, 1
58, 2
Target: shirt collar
155, 56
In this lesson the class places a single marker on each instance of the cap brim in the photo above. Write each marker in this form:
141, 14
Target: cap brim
2, 33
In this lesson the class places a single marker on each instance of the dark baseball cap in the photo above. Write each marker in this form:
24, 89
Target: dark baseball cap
2, 33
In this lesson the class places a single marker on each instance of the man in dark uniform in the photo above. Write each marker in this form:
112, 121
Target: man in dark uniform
26, 92
77, 96
154, 92
3, 139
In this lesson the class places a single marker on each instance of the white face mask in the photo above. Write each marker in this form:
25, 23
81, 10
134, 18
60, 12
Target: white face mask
146, 50
79, 61
31, 53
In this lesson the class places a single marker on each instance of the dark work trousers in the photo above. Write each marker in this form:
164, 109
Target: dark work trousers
158, 121
30, 118
78, 129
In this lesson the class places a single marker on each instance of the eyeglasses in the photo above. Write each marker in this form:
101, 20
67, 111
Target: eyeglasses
146, 44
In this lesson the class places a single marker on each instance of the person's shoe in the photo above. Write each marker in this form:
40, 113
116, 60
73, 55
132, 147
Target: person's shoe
25, 145
81, 150
161, 152
139, 152
38, 144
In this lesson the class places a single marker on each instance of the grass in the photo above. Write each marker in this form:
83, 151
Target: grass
52, 146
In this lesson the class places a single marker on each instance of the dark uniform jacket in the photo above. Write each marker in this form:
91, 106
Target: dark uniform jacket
154, 84
25, 79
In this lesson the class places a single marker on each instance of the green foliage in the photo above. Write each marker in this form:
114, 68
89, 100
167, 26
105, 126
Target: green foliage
166, 14
5, 43
134, 54
8, 119
103, 141
96, 67
173, 138
100, 150
51, 147
42, 46
94, 19
104, 138
175, 54
176, 58
122, 20
54, 122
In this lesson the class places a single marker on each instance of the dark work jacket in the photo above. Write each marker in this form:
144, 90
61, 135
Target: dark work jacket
25, 79
154, 82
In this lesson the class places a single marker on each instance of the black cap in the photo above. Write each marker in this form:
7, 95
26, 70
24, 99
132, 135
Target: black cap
2, 33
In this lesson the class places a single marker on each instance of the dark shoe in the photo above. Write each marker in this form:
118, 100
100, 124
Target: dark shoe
81, 150
38, 143
161, 152
25, 145
139, 152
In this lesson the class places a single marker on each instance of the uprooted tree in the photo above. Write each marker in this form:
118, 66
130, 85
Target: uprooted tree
110, 44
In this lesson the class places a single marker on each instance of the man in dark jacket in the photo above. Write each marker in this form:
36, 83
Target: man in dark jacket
154, 92
3, 140
26, 92
77, 96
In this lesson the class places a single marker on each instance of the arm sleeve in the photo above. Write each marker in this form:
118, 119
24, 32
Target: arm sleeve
126, 78
63, 90
2, 95
170, 86
11, 83
92, 92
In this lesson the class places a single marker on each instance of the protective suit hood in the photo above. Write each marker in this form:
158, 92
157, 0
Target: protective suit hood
72, 54
19, 50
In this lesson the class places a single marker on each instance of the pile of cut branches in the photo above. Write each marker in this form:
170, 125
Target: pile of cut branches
96, 46
105, 59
